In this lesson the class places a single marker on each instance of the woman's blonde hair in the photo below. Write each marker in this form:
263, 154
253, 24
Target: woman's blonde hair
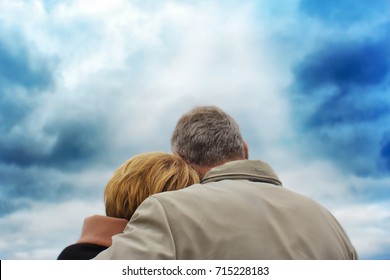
142, 176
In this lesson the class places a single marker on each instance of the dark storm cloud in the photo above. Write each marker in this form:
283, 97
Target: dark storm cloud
344, 11
23, 76
345, 65
36, 187
21, 186
342, 109
12, 109
30, 171
35, 157
75, 142
8, 206
385, 154
345, 85
19, 68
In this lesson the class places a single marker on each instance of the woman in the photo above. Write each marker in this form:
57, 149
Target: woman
137, 179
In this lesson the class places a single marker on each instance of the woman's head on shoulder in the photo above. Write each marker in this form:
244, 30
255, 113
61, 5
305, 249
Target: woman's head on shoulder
143, 175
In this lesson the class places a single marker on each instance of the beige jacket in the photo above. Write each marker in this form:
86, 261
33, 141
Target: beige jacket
240, 211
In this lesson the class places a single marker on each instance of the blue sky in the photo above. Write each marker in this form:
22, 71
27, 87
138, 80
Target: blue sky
84, 85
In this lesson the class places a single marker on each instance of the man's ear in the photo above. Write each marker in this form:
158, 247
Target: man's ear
246, 150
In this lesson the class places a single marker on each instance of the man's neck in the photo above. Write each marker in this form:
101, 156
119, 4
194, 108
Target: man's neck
202, 170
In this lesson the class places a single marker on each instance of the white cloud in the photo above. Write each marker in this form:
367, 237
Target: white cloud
316, 178
368, 226
43, 231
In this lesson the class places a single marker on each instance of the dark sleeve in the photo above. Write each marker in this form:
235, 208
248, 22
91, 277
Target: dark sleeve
81, 251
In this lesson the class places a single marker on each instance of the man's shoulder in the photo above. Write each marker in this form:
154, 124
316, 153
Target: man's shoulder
190, 190
195, 194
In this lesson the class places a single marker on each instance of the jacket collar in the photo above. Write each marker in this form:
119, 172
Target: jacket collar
253, 170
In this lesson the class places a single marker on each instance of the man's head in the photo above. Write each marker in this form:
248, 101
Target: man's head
207, 137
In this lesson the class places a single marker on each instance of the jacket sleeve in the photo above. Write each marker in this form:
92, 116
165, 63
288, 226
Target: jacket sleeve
147, 236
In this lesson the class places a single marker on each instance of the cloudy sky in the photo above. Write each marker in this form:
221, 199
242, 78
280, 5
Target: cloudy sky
86, 84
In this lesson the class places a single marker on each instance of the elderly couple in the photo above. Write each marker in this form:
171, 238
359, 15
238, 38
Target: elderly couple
207, 201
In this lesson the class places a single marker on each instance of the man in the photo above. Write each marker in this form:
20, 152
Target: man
239, 211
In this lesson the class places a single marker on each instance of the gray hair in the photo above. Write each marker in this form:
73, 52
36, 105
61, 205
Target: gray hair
207, 136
